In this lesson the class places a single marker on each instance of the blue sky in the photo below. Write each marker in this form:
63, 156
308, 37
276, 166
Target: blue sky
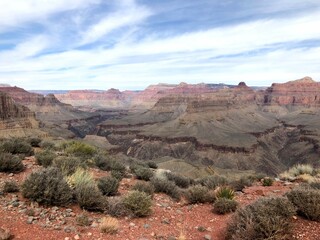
130, 44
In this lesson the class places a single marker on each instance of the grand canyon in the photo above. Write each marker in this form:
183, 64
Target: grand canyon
159, 120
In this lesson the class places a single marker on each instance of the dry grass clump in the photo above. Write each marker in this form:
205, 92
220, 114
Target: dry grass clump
86, 191
299, 171
109, 225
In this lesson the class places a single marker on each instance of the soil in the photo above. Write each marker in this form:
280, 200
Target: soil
169, 219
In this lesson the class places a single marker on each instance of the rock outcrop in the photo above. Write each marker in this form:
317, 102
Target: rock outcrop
15, 119
302, 92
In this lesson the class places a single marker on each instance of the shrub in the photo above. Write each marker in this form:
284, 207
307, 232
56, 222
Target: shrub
86, 191
179, 180
83, 220
47, 186
17, 146
68, 165
118, 174
144, 187
116, 207
34, 141
80, 149
307, 202
143, 173
267, 218
108, 185
10, 187
212, 181
45, 158
47, 145
267, 182
102, 161
297, 170
167, 187
224, 205
152, 164
243, 182
139, 203
315, 185
10, 163
225, 192
198, 194
109, 225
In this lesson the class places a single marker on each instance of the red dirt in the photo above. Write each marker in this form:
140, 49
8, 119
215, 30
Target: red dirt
169, 218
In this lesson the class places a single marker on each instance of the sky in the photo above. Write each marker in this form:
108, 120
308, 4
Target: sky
130, 44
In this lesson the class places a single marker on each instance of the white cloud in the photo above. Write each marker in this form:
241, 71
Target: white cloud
15, 12
202, 56
129, 15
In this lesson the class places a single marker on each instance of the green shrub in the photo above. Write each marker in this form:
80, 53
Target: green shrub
118, 174
179, 180
243, 182
144, 187
143, 173
225, 192
167, 187
224, 205
10, 163
45, 158
267, 182
86, 191
267, 218
212, 181
68, 165
307, 202
108, 185
152, 164
198, 194
34, 141
80, 149
102, 161
10, 187
47, 145
17, 146
116, 207
47, 186
139, 203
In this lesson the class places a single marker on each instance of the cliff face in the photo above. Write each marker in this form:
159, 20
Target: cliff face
302, 92
16, 120
10, 110
114, 99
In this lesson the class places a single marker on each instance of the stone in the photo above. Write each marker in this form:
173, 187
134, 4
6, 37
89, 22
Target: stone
5, 234
76, 237
30, 220
165, 221
146, 225
207, 237
132, 224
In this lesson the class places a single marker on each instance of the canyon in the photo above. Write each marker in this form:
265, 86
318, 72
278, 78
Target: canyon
193, 128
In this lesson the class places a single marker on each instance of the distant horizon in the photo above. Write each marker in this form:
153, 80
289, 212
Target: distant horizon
130, 44
162, 83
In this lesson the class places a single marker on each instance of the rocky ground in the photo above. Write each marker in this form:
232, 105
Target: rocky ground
27, 220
